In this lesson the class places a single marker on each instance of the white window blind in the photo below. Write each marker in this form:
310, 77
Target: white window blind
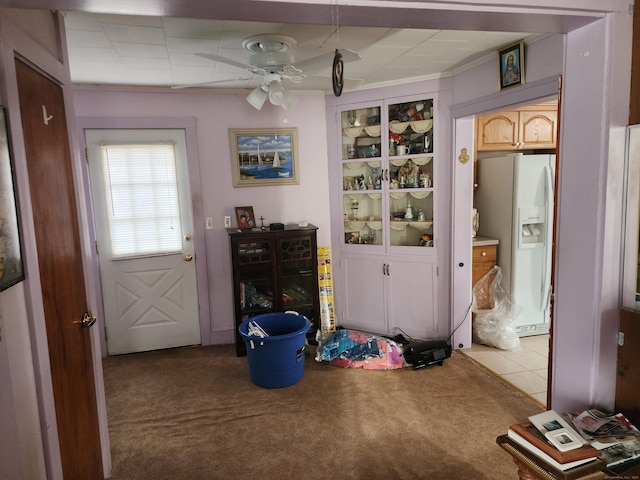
141, 198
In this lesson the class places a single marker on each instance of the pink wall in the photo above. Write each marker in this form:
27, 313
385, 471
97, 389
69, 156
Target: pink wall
214, 115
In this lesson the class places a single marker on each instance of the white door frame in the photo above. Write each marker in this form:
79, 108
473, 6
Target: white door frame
189, 126
462, 200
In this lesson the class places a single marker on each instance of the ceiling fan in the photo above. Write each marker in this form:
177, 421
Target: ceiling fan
272, 58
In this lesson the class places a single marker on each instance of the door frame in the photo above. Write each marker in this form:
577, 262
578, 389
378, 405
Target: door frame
188, 124
462, 201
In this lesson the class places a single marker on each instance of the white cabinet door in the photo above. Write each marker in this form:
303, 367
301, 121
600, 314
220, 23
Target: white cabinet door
412, 298
364, 303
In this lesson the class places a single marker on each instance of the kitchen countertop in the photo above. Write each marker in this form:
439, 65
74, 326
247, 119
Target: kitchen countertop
482, 241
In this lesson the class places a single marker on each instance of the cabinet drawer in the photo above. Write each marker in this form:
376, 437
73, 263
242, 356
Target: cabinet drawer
485, 253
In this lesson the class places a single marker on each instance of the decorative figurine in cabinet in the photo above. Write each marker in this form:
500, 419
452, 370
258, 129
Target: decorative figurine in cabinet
274, 271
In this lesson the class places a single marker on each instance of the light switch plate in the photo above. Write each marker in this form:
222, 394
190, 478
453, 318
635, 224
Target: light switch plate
208, 223
227, 221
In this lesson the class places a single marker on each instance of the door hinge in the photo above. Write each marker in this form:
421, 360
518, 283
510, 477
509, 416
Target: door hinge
86, 154
97, 251
620, 339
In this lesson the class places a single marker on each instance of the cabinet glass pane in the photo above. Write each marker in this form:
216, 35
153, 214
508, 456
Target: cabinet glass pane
363, 218
411, 128
361, 133
411, 202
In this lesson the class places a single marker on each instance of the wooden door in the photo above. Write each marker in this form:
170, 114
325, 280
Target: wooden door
61, 272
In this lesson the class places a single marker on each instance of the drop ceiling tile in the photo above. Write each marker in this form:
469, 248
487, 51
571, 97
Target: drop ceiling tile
140, 50
192, 45
406, 38
82, 21
193, 28
134, 20
134, 34
87, 38
146, 63
79, 55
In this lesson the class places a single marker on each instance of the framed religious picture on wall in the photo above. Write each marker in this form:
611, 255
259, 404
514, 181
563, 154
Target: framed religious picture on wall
511, 65
245, 217
11, 268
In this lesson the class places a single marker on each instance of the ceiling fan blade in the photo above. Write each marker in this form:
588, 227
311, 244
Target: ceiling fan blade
325, 60
228, 61
204, 84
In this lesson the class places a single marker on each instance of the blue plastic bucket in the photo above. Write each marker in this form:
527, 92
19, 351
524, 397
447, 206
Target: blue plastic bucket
276, 361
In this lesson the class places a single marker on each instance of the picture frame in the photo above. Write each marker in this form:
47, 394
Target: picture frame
511, 65
265, 156
245, 218
11, 266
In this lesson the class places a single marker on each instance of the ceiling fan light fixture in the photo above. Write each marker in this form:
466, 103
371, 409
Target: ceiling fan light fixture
257, 97
277, 93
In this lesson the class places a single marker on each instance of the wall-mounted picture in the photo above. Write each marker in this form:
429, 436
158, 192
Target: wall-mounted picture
11, 270
245, 217
267, 156
511, 64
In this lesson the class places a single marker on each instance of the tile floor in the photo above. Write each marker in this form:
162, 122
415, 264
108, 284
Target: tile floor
524, 367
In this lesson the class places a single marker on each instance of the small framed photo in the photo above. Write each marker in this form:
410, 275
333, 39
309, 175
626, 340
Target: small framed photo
511, 65
563, 439
245, 218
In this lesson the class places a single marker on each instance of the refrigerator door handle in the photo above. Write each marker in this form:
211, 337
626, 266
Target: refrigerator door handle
546, 284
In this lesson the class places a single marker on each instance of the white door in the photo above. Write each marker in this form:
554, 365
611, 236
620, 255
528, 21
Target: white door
144, 225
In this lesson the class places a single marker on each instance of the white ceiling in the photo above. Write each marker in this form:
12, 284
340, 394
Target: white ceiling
109, 49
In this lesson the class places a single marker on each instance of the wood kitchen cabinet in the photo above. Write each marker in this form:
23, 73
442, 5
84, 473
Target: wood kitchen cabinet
274, 271
483, 260
528, 128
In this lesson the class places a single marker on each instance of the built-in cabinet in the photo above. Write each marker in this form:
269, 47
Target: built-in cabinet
531, 127
388, 181
274, 271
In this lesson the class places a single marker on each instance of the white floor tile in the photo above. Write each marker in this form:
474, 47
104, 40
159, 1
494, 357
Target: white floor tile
525, 367
528, 382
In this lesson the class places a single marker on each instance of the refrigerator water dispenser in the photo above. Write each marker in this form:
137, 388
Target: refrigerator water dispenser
531, 227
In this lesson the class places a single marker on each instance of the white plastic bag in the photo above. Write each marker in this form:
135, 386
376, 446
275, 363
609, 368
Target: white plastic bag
494, 326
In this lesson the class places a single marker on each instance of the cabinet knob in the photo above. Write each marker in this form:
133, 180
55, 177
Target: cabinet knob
484, 254
461, 264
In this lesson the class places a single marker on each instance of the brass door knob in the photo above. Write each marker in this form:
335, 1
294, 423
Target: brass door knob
188, 257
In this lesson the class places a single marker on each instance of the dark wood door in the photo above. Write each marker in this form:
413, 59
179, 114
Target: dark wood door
61, 272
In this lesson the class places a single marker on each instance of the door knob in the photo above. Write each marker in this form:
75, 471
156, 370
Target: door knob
188, 257
187, 238
88, 320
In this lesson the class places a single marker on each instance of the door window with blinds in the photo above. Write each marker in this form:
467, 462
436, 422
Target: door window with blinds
141, 199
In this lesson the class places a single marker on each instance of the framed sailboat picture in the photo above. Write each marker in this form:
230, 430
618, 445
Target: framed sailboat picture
267, 156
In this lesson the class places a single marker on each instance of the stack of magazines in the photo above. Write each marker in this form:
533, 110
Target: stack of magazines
617, 440
552, 439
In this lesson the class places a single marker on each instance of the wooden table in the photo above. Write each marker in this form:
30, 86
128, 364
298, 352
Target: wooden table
532, 467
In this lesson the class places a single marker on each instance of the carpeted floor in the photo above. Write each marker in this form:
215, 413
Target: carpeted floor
193, 413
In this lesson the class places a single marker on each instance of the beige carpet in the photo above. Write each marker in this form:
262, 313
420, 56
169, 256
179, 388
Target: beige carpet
193, 413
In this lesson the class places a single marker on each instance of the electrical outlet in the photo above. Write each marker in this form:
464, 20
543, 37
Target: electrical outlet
208, 223
227, 221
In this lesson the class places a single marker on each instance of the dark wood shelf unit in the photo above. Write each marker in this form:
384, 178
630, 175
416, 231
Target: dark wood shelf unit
274, 271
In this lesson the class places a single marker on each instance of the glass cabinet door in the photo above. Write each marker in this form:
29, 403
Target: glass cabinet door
411, 128
362, 176
388, 174
411, 202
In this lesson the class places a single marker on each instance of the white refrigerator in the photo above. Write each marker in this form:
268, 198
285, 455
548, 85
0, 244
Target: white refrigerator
515, 202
